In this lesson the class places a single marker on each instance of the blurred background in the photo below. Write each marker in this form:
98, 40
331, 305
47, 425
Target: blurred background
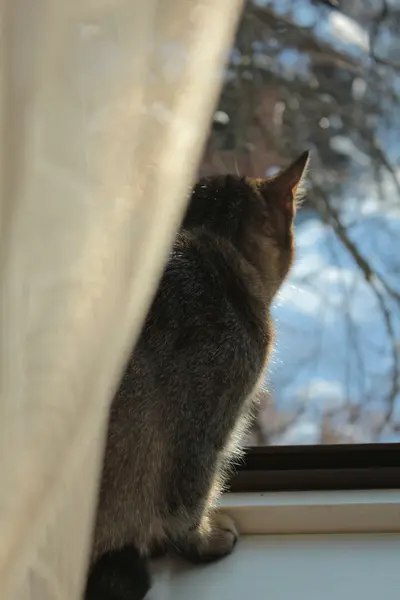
325, 75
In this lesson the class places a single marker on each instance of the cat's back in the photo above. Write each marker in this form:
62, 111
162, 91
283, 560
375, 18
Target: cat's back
197, 360
209, 306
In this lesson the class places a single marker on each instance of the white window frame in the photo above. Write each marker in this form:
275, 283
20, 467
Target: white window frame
355, 511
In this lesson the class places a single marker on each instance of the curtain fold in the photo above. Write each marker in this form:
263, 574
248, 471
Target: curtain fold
105, 106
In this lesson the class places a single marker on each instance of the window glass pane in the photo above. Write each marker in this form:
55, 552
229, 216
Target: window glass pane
326, 76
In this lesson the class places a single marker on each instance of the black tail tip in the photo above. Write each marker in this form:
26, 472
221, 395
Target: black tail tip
118, 575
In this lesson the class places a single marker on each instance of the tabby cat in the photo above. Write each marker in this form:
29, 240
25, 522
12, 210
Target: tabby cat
183, 405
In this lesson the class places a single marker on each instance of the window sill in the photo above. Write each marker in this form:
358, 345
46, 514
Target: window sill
303, 545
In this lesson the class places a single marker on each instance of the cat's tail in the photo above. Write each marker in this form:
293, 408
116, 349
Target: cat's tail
118, 575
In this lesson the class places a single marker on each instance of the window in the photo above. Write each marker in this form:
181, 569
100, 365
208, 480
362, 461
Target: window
318, 75
326, 76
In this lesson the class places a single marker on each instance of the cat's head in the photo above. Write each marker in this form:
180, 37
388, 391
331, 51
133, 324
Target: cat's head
256, 215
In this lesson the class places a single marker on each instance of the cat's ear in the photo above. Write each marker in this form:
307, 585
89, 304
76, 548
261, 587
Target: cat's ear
286, 186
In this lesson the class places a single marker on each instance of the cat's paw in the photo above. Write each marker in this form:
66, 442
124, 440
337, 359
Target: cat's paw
219, 540
223, 537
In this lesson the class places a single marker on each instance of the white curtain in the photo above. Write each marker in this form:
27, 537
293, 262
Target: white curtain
105, 105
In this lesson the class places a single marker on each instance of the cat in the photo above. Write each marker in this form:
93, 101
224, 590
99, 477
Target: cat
188, 391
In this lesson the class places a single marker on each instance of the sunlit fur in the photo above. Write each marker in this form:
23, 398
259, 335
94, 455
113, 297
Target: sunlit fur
179, 416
